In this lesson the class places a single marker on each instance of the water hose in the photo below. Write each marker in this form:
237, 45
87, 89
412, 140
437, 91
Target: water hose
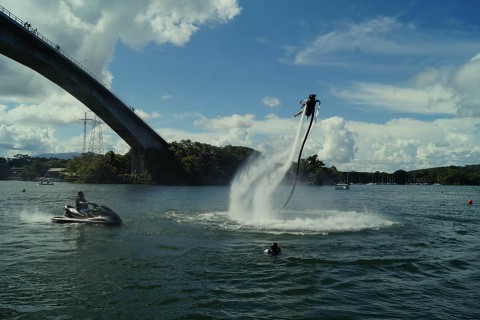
298, 161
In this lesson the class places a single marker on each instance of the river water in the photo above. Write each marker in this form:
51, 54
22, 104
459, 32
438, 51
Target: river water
371, 252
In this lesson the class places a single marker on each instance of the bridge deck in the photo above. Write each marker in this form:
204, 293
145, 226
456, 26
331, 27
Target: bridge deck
21, 43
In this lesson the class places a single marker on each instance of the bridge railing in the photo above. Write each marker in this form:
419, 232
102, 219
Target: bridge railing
56, 46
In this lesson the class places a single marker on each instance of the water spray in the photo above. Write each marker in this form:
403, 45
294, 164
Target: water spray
253, 186
309, 110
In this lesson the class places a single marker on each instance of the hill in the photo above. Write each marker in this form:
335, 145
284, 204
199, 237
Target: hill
64, 156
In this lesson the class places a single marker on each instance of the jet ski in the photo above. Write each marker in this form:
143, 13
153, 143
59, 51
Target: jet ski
96, 214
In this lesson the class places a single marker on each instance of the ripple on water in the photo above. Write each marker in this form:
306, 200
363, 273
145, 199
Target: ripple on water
371, 253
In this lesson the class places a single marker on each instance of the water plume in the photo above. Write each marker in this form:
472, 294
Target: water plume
254, 185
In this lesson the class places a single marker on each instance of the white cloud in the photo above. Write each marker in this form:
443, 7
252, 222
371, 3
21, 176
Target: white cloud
434, 91
59, 110
236, 129
34, 111
21, 140
335, 142
465, 81
368, 37
331, 139
435, 99
402, 143
234, 136
175, 21
375, 43
408, 144
233, 121
271, 102
89, 31
145, 115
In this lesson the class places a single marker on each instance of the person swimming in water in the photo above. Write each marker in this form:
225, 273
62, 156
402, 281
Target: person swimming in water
274, 249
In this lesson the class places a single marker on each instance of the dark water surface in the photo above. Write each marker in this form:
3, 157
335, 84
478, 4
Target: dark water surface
372, 252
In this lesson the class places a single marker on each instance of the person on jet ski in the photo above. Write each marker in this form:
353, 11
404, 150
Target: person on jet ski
81, 204
309, 104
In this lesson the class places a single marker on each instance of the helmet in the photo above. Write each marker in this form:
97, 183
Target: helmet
312, 96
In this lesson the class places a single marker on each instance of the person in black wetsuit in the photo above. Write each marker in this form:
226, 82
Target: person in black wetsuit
274, 249
309, 104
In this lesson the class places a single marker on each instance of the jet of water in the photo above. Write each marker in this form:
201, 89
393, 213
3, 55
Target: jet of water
253, 186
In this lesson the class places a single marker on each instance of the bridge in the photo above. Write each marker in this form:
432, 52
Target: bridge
20, 42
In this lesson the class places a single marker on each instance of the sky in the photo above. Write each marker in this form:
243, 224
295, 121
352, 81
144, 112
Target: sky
398, 80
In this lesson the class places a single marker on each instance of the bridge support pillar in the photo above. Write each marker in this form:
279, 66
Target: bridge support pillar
138, 164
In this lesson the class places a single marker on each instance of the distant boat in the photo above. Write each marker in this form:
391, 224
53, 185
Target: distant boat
45, 182
342, 186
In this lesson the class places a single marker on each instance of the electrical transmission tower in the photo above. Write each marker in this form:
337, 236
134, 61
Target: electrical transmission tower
96, 137
85, 119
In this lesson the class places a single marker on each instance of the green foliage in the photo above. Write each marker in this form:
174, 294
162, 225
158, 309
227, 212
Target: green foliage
400, 177
94, 168
163, 167
195, 163
34, 167
452, 175
20, 160
312, 171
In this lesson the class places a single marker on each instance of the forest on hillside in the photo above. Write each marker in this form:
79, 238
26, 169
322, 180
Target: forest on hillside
194, 163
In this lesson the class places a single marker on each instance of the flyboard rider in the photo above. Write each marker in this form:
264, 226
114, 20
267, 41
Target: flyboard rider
309, 104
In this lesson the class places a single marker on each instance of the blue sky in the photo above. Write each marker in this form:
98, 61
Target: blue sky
397, 80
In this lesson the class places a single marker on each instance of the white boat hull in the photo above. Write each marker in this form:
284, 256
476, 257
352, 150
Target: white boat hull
96, 215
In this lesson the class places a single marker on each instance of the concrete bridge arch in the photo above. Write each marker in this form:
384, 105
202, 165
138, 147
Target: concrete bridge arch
22, 43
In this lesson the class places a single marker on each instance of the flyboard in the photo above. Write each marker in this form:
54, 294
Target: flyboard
274, 250
270, 252
314, 117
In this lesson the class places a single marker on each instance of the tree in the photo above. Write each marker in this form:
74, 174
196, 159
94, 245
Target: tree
19, 160
93, 168
195, 163
401, 176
